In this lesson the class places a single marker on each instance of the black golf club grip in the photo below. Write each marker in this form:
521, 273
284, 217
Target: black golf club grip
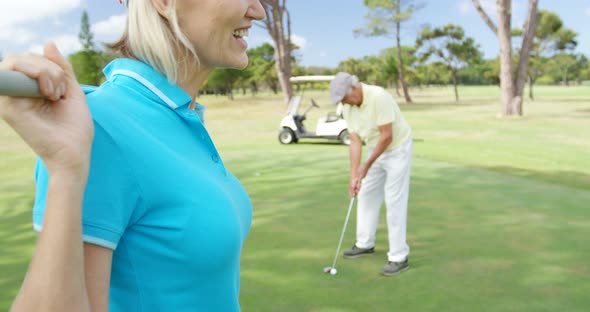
18, 84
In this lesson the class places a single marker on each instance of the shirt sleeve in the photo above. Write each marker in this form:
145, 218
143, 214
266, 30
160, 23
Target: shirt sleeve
384, 108
110, 197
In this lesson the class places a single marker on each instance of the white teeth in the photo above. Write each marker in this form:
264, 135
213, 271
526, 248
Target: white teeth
241, 33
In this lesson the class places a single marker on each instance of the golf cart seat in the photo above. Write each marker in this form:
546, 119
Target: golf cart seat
331, 117
293, 106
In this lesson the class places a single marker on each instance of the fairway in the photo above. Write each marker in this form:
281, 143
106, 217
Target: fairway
499, 211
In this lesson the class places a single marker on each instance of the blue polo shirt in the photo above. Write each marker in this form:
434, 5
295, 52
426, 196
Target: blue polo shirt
159, 195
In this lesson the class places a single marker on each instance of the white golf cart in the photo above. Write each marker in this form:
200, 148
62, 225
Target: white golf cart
332, 126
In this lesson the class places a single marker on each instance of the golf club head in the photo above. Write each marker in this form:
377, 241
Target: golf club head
327, 269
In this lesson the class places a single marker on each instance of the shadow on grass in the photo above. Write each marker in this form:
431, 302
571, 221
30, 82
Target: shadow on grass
565, 178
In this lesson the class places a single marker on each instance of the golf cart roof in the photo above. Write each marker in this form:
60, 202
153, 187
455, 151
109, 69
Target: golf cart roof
311, 78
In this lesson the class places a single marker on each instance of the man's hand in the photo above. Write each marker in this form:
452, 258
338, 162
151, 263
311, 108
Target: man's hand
355, 180
354, 186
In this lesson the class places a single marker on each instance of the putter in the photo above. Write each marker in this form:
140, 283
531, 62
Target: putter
332, 270
14, 83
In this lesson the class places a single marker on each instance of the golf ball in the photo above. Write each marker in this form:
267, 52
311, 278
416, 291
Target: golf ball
333, 271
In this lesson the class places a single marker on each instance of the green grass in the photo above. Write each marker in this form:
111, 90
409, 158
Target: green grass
499, 210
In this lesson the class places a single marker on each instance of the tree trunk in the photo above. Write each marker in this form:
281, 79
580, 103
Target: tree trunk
512, 89
275, 26
504, 38
455, 83
229, 91
531, 82
400, 64
523, 59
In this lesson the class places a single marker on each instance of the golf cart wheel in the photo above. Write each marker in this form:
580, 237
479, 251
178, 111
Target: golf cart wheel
286, 136
344, 137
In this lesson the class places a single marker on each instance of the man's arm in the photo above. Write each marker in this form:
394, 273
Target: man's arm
384, 141
355, 153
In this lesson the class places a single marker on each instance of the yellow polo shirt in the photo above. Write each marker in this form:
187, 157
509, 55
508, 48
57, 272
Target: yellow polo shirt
378, 108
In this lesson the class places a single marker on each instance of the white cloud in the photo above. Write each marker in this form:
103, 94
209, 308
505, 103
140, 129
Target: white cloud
111, 27
17, 35
587, 11
16, 17
465, 7
20, 12
299, 41
66, 44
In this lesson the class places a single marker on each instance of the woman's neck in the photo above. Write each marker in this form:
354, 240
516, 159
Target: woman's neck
191, 79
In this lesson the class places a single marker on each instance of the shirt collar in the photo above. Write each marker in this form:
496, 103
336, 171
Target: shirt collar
364, 94
169, 93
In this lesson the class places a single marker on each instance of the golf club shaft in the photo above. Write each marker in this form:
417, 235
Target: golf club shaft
343, 231
14, 83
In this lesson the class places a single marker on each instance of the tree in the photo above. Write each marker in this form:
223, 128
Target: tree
278, 25
512, 89
551, 40
85, 36
223, 80
434, 73
385, 17
450, 45
548, 26
477, 73
567, 67
564, 43
262, 65
355, 67
88, 62
390, 56
491, 71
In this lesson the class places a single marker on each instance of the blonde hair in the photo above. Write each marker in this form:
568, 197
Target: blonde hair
155, 40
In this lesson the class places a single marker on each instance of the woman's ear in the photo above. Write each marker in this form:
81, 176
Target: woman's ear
163, 7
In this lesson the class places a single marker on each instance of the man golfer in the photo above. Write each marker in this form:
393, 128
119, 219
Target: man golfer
375, 118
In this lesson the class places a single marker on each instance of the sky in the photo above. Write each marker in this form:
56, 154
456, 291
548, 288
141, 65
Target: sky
323, 29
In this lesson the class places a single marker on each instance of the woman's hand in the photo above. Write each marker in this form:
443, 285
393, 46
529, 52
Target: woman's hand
59, 128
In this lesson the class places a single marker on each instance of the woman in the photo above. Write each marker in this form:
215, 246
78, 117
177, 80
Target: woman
163, 221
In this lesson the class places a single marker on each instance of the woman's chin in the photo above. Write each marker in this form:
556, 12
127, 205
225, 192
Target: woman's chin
238, 63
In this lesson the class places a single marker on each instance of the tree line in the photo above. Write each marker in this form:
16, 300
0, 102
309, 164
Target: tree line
542, 51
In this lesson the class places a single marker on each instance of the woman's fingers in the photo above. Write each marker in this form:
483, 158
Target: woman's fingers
68, 81
49, 75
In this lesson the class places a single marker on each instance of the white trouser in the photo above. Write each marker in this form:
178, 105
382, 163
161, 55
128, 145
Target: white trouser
388, 179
